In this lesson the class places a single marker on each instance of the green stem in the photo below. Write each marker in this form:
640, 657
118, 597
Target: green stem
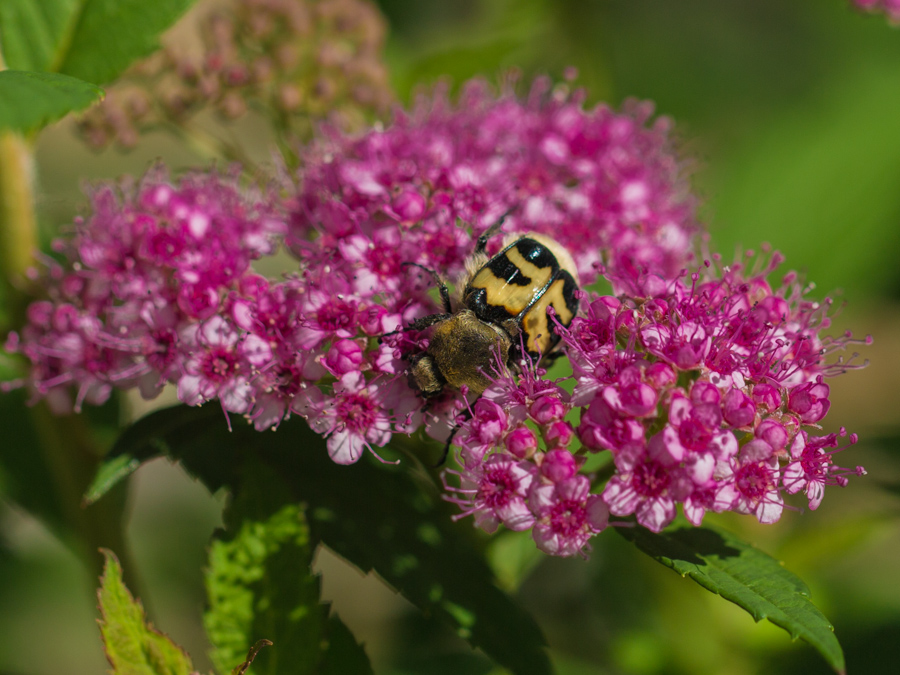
71, 453
210, 146
18, 238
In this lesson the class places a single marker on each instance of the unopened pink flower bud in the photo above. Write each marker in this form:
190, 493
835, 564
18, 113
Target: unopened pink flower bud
521, 442
558, 465
344, 356
768, 396
810, 401
409, 205
559, 434
773, 433
738, 408
547, 409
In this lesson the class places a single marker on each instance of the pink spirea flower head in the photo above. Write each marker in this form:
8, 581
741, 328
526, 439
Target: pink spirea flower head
707, 392
140, 298
605, 185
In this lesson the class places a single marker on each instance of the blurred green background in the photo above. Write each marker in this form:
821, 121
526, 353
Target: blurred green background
791, 113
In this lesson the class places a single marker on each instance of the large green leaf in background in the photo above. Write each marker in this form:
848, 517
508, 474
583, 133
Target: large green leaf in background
30, 100
756, 582
822, 184
93, 40
32, 31
378, 517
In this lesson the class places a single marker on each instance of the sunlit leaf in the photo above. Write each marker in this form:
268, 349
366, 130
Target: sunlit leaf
133, 646
93, 40
260, 586
111, 34
753, 580
31, 31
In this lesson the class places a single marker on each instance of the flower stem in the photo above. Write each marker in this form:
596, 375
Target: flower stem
18, 239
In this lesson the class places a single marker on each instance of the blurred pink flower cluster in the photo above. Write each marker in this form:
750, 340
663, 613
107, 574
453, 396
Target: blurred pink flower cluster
301, 60
891, 8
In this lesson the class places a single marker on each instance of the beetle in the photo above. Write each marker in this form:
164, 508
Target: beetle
504, 308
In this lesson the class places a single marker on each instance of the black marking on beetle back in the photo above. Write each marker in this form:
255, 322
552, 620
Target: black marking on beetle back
476, 300
504, 268
536, 253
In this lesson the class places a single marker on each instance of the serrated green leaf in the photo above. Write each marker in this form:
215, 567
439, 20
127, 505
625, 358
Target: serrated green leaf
110, 35
344, 654
133, 646
375, 516
260, 586
155, 436
31, 31
30, 100
753, 580
378, 518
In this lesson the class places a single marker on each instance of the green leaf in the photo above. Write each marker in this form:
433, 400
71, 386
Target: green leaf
31, 31
753, 580
133, 646
30, 100
93, 40
378, 517
111, 34
345, 654
170, 432
260, 587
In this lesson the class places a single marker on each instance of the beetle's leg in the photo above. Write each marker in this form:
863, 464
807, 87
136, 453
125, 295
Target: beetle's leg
467, 415
426, 321
490, 232
442, 287
418, 324
446, 453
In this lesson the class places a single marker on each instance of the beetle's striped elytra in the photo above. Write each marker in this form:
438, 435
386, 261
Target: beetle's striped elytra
529, 275
504, 309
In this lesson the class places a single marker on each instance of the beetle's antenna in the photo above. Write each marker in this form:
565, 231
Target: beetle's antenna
490, 232
442, 286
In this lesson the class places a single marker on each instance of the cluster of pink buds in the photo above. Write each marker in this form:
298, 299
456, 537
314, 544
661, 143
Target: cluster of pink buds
706, 394
891, 8
303, 60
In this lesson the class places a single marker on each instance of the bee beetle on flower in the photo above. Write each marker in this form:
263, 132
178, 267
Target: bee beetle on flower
505, 308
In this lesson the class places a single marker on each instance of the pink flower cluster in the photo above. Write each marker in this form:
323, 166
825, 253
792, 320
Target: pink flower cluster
159, 288
707, 394
139, 300
891, 8
510, 477
605, 185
